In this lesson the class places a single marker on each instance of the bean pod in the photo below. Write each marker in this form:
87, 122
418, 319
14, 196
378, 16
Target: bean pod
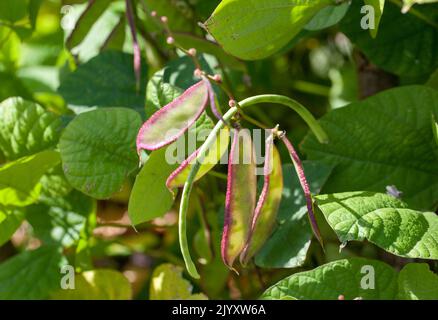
265, 213
173, 120
240, 197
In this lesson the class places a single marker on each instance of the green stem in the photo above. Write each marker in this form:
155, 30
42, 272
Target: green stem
182, 227
292, 104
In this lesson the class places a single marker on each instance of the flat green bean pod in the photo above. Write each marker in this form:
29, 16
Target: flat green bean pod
240, 197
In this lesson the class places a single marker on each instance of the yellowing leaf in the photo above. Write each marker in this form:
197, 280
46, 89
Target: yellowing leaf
97, 285
168, 284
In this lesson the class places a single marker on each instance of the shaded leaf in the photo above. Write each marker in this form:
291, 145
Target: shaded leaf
107, 80
383, 140
40, 267
293, 228
98, 150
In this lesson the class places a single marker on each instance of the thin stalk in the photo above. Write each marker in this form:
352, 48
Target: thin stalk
304, 185
294, 105
137, 53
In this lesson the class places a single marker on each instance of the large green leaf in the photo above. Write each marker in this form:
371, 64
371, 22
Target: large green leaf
417, 282
98, 150
62, 222
19, 180
342, 277
150, 197
383, 220
40, 269
405, 45
168, 284
293, 230
256, 29
10, 220
26, 128
107, 80
97, 284
384, 140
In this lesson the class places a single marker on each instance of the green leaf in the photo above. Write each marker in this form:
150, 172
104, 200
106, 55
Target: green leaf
63, 222
9, 48
159, 93
342, 277
327, 17
417, 282
168, 83
107, 80
19, 180
87, 19
383, 220
405, 45
168, 284
26, 128
383, 140
98, 150
54, 186
97, 284
150, 197
256, 29
10, 220
40, 268
378, 6
13, 10
293, 228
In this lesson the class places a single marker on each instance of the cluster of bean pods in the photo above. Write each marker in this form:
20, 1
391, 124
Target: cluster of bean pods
248, 222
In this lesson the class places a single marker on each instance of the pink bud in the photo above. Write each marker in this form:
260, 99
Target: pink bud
170, 40
232, 103
197, 73
154, 14
217, 78
192, 52
341, 297
163, 19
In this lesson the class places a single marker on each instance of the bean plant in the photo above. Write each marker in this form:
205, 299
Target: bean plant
207, 149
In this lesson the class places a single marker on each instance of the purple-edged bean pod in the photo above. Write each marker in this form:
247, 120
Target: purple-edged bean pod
213, 156
240, 197
265, 213
173, 120
304, 185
